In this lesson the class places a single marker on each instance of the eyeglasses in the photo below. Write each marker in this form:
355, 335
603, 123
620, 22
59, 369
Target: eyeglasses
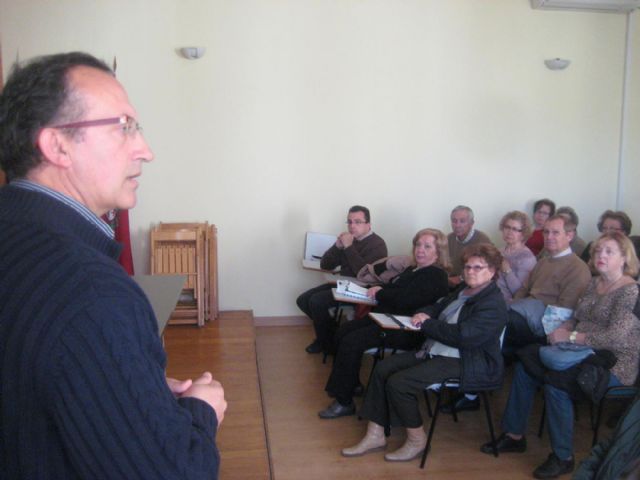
355, 222
475, 268
129, 125
611, 229
512, 229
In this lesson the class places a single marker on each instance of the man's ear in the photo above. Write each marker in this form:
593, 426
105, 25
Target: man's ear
53, 145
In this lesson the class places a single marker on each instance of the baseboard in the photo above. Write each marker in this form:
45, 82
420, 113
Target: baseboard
293, 320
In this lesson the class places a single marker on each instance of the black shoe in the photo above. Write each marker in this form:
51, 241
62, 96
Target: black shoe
314, 347
461, 403
358, 391
554, 467
506, 444
336, 410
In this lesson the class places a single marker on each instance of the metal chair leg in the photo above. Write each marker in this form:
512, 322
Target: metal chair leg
487, 410
432, 427
428, 402
453, 408
543, 416
596, 423
336, 319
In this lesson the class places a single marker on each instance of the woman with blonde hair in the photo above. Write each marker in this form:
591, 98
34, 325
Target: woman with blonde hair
604, 319
421, 284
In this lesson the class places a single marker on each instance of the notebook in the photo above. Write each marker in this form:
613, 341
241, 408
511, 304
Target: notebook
163, 292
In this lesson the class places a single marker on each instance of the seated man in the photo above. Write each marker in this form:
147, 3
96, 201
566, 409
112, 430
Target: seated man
352, 251
557, 279
578, 245
463, 234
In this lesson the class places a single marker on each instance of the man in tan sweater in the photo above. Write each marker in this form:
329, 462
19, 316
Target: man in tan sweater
558, 279
462, 235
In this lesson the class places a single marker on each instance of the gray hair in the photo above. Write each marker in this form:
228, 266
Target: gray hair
463, 208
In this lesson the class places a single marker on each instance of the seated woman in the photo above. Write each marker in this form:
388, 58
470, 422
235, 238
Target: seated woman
518, 259
517, 262
463, 340
542, 210
603, 319
609, 222
421, 284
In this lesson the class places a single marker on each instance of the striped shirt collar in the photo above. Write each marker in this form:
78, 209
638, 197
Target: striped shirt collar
70, 202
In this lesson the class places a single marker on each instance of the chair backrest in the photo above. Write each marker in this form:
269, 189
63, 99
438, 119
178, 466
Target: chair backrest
455, 383
636, 309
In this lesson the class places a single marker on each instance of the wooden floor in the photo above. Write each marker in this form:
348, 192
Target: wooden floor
296, 444
303, 446
226, 347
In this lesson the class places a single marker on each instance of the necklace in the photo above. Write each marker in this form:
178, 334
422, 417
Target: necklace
604, 287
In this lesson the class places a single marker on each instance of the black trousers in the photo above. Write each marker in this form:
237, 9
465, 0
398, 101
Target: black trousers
315, 303
518, 334
397, 384
353, 339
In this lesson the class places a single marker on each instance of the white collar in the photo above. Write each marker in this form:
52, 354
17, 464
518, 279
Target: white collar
468, 238
563, 253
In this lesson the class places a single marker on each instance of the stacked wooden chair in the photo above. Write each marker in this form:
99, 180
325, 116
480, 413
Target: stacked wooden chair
189, 249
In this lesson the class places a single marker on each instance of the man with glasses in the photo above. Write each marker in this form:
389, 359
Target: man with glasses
557, 279
353, 249
82, 380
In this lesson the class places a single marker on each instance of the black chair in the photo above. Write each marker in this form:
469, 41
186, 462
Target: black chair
612, 393
453, 384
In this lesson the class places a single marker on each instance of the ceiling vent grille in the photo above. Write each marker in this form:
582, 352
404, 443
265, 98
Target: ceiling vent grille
609, 6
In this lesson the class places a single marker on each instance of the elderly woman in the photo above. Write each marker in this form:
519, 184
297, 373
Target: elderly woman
609, 222
542, 210
603, 320
518, 259
420, 284
517, 262
463, 340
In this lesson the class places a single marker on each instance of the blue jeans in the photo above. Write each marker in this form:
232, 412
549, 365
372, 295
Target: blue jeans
562, 356
559, 410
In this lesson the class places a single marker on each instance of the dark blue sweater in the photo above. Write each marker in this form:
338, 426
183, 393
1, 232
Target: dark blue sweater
82, 385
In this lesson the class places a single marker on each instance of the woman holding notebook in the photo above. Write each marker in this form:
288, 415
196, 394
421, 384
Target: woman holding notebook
421, 284
462, 340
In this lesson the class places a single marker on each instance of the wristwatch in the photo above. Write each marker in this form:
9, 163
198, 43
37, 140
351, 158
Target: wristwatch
572, 337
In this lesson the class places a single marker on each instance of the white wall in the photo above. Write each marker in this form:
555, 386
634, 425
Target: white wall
301, 108
630, 188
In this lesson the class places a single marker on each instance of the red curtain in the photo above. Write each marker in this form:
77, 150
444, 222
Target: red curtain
119, 221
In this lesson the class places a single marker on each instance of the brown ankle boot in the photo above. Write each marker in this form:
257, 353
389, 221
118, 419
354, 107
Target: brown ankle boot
372, 441
413, 446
